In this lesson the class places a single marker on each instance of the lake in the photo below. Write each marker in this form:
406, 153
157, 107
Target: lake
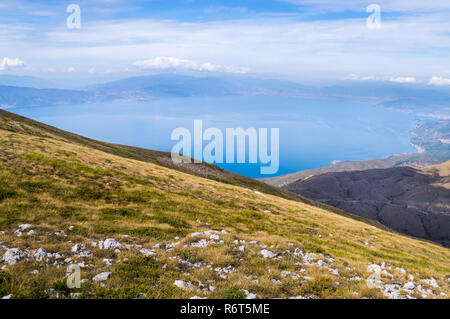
313, 133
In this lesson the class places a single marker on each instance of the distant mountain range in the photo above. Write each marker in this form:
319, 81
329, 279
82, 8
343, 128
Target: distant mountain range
411, 98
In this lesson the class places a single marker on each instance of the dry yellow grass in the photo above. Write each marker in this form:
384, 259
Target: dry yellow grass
54, 184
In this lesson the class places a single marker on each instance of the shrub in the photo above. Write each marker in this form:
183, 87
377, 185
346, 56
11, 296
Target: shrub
233, 293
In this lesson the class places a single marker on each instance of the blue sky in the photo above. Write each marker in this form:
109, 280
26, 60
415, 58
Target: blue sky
302, 40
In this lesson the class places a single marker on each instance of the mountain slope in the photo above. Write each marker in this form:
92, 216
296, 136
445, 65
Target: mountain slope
155, 232
410, 200
11, 96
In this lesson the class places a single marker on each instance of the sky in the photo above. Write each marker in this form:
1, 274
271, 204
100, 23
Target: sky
300, 40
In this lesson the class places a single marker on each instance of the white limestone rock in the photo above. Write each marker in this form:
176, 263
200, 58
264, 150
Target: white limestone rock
40, 254
110, 243
102, 276
12, 256
267, 253
183, 285
147, 252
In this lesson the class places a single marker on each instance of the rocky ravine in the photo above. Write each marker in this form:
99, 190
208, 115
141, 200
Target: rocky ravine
412, 201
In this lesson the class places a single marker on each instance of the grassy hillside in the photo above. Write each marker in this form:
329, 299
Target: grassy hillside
178, 235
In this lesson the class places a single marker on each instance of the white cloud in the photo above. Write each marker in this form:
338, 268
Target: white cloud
71, 69
386, 5
92, 70
354, 77
8, 63
320, 49
439, 81
175, 63
41, 13
401, 79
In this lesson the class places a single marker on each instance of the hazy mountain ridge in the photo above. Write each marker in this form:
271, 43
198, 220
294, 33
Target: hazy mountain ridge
415, 99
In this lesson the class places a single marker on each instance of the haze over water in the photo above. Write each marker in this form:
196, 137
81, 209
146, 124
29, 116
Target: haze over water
313, 133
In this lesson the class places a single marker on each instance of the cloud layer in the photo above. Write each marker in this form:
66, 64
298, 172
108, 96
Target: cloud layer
8, 63
318, 40
439, 81
184, 64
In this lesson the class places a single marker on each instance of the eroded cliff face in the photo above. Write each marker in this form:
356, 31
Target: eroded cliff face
412, 201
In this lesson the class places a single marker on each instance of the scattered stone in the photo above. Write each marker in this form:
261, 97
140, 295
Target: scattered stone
8, 297
147, 252
77, 248
40, 254
241, 248
110, 243
172, 245
107, 262
277, 282
356, 278
214, 237
409, 286
293, 275
60, 233
12, 256
249, 295
22, 228
308, 258
424, 291
183, 285
334, 271
432, 282
202, 243
374, 268
102, 277
267, 253
53, 293
392, 291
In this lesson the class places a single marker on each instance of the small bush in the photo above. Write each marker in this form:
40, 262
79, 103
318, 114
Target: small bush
233, 293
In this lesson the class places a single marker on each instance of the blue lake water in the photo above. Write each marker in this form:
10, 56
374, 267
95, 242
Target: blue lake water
313, 133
